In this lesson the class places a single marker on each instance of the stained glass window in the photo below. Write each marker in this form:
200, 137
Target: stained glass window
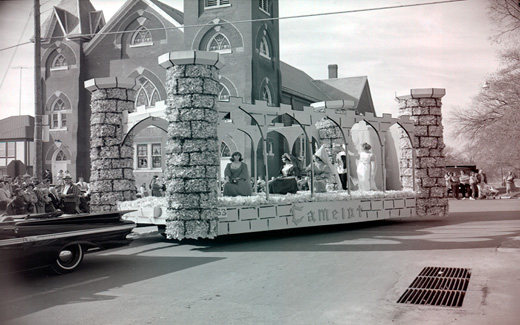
141, 36
59, 61
219, 42
264, 48
147, 95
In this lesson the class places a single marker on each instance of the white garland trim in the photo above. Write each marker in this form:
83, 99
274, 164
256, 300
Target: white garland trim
259, 199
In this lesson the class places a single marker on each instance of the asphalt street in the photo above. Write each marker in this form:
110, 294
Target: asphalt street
353, 274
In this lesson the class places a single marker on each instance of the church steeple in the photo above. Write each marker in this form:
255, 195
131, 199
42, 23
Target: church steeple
72, 20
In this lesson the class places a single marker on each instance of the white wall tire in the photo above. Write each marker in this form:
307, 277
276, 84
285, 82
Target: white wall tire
68, 259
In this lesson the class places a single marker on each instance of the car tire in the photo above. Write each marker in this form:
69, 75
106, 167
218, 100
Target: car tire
68, 259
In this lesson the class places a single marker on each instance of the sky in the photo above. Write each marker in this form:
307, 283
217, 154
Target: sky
430, 46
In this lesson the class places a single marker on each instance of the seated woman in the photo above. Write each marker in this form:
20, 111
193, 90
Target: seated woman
322, 171
236, 177
287, 181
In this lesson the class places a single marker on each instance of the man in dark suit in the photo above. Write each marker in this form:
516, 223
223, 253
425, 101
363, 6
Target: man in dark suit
70, 194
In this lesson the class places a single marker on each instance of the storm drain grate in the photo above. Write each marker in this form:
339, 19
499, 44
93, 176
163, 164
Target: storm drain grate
438, 286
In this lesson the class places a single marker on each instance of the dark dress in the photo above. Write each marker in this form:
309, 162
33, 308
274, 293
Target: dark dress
239, 183
286, 183
17, 206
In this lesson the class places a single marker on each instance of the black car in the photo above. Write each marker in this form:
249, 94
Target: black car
59, 241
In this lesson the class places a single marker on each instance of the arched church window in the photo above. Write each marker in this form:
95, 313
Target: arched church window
223, 94
59, 61
58, 116
141, 36
147, 95
219, 42
266, 95
61, 156
264, 48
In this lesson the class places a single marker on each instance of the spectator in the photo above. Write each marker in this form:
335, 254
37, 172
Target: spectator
17, 205
4, 217
54, 198
455, 183
143, 192
3, 212
5, 195
473, 181
48, 204
30, 198
155, 186
510, 182
464, 185
482, 181
84, 198
47, 175
70, 194
447, 179
38, 190
59, 177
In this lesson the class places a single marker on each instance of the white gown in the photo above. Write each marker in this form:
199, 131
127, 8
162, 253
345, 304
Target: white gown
365, 172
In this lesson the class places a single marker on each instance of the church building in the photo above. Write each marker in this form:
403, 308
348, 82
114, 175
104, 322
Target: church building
79, 45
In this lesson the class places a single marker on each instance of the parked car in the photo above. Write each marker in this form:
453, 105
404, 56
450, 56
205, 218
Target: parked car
59, 241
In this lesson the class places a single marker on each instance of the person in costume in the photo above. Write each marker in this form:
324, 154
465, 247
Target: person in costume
366, 169
287, 180
341, 167
322, 170
236, 177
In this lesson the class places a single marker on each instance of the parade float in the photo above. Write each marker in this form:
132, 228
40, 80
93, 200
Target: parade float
408, 178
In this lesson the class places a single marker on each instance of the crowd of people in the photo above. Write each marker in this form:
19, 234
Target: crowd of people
156, 187
472, 185
30, 195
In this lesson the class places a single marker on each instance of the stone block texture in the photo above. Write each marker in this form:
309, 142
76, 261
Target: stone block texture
111, 172
429, 159
192, 147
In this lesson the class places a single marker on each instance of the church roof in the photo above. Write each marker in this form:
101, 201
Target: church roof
174, 16
73, 19
172, 12
353, 86
297, 82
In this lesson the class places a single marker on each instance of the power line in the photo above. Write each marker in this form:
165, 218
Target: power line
268, 19
14, 53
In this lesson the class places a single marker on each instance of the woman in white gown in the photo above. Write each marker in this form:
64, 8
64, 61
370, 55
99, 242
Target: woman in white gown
366, 169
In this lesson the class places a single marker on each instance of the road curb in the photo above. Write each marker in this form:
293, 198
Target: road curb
510, 246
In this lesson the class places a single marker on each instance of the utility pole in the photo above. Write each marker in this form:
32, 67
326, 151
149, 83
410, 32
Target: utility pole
38, 109
20, 93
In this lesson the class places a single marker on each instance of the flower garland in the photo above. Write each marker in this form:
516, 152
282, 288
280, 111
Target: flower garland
259, 198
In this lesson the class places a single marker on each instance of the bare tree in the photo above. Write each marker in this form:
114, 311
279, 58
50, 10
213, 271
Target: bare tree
490, 128
506, 16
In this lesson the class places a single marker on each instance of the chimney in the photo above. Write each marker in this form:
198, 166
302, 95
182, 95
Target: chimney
333, 71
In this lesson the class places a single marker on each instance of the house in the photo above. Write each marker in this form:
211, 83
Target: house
16, 145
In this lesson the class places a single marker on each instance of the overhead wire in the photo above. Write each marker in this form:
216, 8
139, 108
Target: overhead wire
265, 19
16, 48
